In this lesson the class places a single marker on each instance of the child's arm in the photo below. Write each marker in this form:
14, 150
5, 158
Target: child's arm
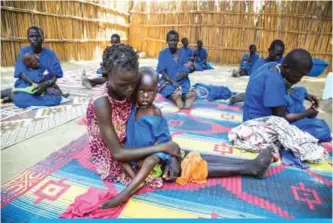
26, 78
128, 169
281, 112
138, 180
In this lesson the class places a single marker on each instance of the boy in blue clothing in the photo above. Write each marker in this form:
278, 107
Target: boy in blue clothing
267, 92
247, 61
186, 48
275, 54
200, 57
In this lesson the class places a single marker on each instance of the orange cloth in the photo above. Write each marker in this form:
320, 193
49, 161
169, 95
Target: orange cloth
194, 170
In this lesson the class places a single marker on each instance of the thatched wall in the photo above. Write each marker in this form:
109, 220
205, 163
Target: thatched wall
75, 30
80, 30
228, 28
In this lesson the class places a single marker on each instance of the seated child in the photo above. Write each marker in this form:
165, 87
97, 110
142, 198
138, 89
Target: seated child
318, 128
247, 62
146, 127
200, 58
31, 61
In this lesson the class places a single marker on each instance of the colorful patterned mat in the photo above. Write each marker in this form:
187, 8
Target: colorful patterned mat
18, 124
48, 188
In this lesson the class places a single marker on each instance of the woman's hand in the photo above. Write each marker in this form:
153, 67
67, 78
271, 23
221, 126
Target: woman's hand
313, 99
173, 149
40, 88
312, 113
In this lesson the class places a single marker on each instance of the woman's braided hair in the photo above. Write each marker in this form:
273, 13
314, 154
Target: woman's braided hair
119, 56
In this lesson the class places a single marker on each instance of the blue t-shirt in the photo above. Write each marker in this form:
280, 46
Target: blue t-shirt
48, 61
248, 65
260, 62
167, 64
202, 54
188, 51
265, 90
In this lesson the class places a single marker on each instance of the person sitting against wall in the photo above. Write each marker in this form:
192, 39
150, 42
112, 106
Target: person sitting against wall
200, 58
37, 69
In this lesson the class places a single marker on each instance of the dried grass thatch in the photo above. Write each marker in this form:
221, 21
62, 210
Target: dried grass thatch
229, 27
80, 30
75, 30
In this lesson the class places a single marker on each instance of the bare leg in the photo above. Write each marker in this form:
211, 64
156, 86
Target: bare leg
147, 166
7, 95
97, 81
190, 99
256, 167
177, 99
237, 98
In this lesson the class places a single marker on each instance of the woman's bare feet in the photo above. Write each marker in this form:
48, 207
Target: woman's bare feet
114, 202
260, 165
190, 99
177, 99
237, 98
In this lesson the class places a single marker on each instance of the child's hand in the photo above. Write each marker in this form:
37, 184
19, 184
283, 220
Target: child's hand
128, 170
312, 113
314, 100
173, 149
39, 89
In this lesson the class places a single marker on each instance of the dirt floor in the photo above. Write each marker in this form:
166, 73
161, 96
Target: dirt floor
17, 158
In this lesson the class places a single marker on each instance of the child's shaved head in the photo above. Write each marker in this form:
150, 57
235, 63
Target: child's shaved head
30, 60
150, 72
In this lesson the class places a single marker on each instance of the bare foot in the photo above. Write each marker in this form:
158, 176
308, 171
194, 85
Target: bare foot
190, 99
85, 80
235, 73
177, 99
261, 164
233, 100
113, 202
6, 100
65, 95
237, 98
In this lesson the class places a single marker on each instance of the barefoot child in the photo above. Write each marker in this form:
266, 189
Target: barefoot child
146, 127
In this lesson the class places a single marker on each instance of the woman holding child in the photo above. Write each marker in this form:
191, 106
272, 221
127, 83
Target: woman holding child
34, 87
128, 91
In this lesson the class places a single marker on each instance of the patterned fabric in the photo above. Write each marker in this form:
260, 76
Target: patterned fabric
258, 134
106, 166
45, 190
